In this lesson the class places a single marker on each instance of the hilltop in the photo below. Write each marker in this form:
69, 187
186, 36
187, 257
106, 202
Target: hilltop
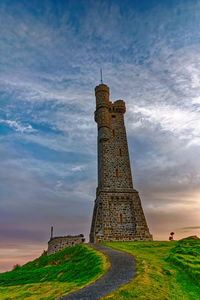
165, 270
49, 277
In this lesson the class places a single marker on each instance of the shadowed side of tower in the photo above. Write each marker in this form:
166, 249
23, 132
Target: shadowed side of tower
118, 214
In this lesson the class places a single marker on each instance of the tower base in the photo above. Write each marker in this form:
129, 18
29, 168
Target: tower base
118, 216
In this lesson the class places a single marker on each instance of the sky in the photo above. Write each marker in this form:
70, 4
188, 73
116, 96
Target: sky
51, 53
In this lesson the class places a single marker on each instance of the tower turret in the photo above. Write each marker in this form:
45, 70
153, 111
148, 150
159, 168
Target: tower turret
102, 116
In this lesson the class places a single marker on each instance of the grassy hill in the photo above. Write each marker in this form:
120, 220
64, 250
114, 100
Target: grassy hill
49, 277
165, 270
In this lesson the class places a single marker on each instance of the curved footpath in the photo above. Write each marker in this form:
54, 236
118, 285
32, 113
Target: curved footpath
122, 271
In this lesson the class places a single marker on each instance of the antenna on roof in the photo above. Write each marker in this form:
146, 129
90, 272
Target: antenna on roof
101, 76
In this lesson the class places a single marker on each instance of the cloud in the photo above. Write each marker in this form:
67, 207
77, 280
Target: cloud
50, 60
183, 123
18, 127
191, 227
19, 252
34, 196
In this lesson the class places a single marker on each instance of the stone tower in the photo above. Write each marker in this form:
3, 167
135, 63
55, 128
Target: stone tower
118, 214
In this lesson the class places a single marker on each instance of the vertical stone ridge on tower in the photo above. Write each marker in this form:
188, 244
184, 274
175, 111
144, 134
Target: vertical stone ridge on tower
118, 214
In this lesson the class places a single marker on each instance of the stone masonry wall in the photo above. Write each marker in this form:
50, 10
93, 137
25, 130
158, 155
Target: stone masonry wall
59, 243
116, 155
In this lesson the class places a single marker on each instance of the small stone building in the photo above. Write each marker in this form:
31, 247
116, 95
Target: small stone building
58, 243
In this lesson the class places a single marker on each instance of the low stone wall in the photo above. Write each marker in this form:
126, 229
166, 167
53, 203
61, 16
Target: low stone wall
56, 244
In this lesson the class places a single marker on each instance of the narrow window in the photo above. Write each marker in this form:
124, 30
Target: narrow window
120, 152
121, 219
113, 132
113, 118
117, 173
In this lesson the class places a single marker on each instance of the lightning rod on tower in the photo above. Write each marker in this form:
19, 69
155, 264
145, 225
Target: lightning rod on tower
101, 76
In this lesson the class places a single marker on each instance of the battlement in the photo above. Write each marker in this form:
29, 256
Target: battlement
101, 87
102, 96
118, 106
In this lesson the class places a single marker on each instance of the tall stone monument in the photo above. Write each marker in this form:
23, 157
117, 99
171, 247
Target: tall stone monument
118, 214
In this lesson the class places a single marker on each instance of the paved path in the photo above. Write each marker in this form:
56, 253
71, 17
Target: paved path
121, 272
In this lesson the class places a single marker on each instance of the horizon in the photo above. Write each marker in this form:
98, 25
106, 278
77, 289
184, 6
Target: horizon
51, 56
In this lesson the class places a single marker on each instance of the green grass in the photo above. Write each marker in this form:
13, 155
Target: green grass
186, 255
165, 270
50, 277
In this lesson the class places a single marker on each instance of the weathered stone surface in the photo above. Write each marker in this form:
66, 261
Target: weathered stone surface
118, 214
58, 243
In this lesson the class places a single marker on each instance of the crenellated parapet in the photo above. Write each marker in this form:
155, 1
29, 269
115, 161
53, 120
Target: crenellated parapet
118, 106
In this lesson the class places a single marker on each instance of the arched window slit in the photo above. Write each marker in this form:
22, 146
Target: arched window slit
117, 173
121, 219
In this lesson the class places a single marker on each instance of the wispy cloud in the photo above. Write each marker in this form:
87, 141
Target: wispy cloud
50, 60
17, 126
191, 227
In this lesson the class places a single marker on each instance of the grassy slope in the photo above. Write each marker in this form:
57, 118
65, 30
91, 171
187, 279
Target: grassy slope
165, 270
49, 277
